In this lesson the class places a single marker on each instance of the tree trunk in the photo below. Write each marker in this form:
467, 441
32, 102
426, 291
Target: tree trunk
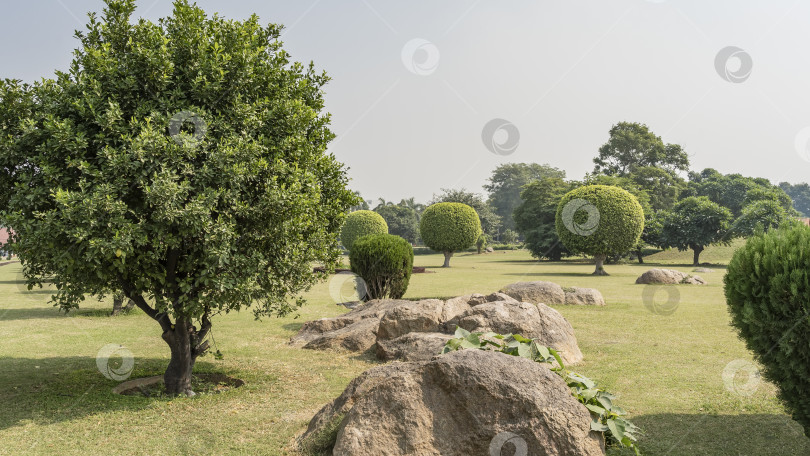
638, 254
600, 268
183, 343
696, 259
447, 256
118, 305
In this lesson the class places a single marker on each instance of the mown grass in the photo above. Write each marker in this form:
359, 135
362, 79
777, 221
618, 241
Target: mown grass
666, 369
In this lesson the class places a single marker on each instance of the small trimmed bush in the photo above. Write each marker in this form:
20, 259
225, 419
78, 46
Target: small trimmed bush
599, 220
767, 289
359, 224
449, 227
384, 262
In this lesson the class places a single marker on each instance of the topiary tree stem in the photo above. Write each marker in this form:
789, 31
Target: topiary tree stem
447, 256
600, 265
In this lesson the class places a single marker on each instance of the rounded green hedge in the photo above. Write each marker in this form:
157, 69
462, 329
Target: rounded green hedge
599, 220
384, 262
767, 290
361, 223
449, 227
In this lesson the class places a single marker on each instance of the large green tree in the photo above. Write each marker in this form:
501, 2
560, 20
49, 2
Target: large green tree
694, 223
631, 146
735, 191
181, 162
599, 220
490, 221
507, 182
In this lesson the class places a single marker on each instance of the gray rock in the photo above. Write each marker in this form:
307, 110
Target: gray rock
583, 297
348, 330
536, 292
703, 270
669, 276
415, 316
490, 250
535, 321
457, 404
416, 346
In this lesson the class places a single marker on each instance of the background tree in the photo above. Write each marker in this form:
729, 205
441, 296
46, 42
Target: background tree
449, 227
695, 223
510, 237
481, 242
411, 203
631, 146
800, 194
359, 224
506, 183
762, 215
362, 204
106, 191
732, 190
535, 217
490, 221
599, 220
402, 221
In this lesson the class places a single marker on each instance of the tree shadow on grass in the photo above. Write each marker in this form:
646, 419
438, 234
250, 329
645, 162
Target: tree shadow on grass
722, 435
52, 390
31, 313
553, 274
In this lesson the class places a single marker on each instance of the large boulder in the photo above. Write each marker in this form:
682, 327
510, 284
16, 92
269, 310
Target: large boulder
415, 346
535, 321
418, 316
468, 402
669, 276
355, 330
536, 292
583, 297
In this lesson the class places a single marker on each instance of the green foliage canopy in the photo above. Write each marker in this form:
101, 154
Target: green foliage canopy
182, 162
359, 224
694, 223
449, 227
507, 182
384, 262
401, 220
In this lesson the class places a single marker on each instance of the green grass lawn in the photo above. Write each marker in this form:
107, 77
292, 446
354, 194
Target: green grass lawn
666, 369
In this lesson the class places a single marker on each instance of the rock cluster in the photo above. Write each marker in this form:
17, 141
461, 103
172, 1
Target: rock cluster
669, 276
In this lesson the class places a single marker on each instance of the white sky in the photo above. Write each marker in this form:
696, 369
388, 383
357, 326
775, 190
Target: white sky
561, 72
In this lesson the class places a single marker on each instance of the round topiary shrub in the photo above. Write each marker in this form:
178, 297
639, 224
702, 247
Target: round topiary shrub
384, 262
448, 227
767, 289
599, 220
361, 223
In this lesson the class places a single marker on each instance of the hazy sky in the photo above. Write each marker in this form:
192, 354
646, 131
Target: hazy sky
415, 82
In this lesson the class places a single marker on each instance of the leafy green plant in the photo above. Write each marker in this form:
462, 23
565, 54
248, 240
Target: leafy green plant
767, 289
607, 417
385, 263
